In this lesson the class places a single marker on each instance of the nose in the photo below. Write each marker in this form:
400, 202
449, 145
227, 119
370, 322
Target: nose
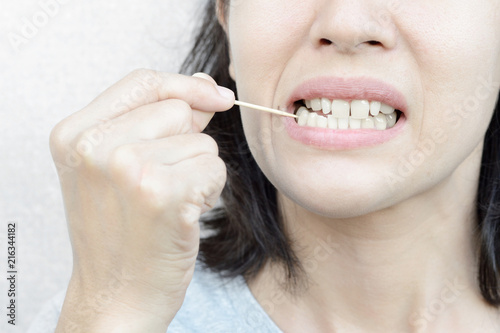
350, 26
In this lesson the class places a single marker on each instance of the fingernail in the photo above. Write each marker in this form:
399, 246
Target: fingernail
200, 75
226, 93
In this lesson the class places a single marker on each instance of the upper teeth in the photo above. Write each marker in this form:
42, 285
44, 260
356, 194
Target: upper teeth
342, 114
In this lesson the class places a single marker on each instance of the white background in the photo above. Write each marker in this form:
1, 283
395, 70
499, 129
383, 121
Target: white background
78, 49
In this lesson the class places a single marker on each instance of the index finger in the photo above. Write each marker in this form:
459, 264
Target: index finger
143, 87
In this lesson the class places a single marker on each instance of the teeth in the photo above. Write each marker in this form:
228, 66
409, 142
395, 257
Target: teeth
301, 110
312, 119
316, 104
303, 115
354, 123
343, 123
375, 108
332, 122
340, 108
386, 109
368, 123
322, 122
391, 119
326, 105
380, 122
358, 114
360, 109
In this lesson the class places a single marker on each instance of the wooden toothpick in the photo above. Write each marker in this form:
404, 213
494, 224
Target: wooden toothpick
263, 108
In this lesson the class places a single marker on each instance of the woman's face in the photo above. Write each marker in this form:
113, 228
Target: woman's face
437, 62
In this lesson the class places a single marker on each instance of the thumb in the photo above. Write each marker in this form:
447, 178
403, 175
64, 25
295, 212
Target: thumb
202, 118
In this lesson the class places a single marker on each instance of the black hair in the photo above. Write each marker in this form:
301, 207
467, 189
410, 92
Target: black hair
247, 231
488, 213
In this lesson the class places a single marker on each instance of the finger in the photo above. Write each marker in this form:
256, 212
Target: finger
205, 76
149, 86
153, 121
172, 150
192, 183
158, 120
201, 119
203, 186
143, 87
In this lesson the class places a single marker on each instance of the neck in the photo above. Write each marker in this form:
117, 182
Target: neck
399, 269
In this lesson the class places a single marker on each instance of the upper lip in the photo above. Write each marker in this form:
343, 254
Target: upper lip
361, 88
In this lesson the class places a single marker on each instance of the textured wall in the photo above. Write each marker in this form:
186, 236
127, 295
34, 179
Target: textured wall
56, 56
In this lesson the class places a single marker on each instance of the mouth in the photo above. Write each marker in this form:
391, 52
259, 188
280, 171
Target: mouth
345, 113
339, 114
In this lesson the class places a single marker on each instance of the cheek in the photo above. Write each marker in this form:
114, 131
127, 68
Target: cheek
263, 36
456, 49
256, 138
456, 46
261, 131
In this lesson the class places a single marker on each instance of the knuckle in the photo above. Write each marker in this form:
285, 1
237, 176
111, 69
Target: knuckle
207, 143
59, 139
154, 195
179, 105
215, 171
158, 191
205, 193
190, 211
203, 84
195, 197
141, 73
220, 171
219, 165
85, 146
181, 114
146, 78
121, 161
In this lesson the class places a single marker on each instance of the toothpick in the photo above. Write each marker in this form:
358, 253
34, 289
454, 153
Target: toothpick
262, 108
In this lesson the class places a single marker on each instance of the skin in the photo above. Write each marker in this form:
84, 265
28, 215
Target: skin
134, 240
379, 256
394, 246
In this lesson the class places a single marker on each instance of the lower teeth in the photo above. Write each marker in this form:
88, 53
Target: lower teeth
379, 122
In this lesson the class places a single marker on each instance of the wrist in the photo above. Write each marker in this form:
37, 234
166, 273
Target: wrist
103, 311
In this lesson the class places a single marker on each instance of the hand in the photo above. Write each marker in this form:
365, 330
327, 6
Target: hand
140, 175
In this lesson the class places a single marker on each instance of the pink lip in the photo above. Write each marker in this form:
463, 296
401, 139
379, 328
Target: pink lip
346, 89
349, 89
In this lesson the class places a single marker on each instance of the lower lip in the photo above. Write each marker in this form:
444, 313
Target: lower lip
342, 139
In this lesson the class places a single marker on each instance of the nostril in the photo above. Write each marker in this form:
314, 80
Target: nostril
325, 42
374, 42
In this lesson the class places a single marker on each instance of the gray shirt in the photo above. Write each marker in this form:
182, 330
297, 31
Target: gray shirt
212, 304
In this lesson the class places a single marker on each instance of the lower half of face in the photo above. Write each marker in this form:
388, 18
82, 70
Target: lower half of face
392, 98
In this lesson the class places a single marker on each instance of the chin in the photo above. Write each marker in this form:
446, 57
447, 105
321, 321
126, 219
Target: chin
341, 199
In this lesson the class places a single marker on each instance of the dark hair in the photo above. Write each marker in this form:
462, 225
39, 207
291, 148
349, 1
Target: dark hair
247, 230
488, 213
